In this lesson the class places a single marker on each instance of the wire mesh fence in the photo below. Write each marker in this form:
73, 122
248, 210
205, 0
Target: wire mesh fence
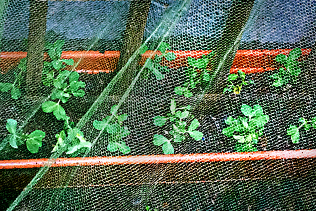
92, 79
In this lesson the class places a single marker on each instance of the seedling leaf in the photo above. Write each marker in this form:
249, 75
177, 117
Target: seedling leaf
160, 120
159, 140
295, 54
197, 135
34, 141
194, 125
246, 110
170, 56
167, 148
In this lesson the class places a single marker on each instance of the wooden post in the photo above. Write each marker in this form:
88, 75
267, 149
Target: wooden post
3, 8
133, 38
36, 44
236, 20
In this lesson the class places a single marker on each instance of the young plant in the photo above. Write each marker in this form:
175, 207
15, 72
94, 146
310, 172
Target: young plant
71, 139
33, 140
292, 68
74, 140
179, 127
239, 80
113, 125
49, 69
154, 65
56, 64
196, 73
294, 131
16, 85
246, 130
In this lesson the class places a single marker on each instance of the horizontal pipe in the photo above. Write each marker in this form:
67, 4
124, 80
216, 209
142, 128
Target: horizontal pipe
179, 53
93, 62
154, 159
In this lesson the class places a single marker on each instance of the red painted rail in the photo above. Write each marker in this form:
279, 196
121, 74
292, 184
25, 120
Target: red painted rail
152, 159
93, 62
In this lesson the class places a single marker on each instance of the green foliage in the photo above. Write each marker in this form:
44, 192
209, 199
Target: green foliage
33, 141
71, 139
113, 125
179, 127
56, 64
15, 87
196, 74
239, 81
74, 140
294, 131
153, 65
66, 84
49, 69
292, 68
63, 92
246, 130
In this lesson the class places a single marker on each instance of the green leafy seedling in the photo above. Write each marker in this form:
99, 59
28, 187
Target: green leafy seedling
294, 131
56, 64
292, 68
63, 91
14, 87
71, 139
33, 140
236, 81
246, 130
113, 125
154, 64
179, 128
196, 74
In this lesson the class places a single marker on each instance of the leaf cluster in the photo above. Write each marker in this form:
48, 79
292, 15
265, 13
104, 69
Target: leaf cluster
292, 68
179, 127
56, 64
294, 131
15, 86
33, 140
246, 130
236, 81
196, 74
63, 91
154, 65
71, 139
113, 125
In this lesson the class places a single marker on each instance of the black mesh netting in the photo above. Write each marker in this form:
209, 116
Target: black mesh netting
92, 79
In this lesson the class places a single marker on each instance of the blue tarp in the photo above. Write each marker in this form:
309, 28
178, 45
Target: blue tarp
277, 21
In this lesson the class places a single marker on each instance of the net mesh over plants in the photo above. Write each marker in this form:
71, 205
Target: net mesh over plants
95, 79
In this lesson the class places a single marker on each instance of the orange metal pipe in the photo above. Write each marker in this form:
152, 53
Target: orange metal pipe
153, 159
93, 62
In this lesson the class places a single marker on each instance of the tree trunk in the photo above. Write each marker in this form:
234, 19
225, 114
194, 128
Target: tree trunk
36, 44
236, 20
133, 38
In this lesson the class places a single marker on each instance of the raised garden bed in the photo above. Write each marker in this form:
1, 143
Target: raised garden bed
211, 115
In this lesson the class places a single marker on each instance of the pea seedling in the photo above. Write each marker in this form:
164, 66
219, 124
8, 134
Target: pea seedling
154, 64
33, 140
179, 130
57, 64
294, 131
113, 125
63, 91
16, 85
239, 80
66, 85
196, 73
292, 68
246, 130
